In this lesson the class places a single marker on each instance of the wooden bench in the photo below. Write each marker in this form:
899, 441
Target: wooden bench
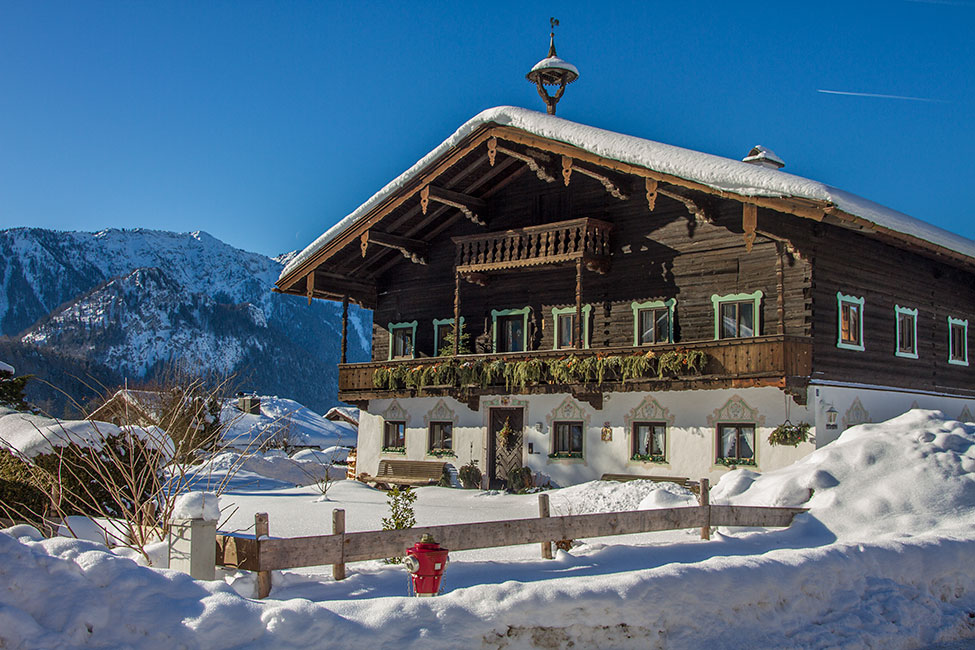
682, 481
407, 472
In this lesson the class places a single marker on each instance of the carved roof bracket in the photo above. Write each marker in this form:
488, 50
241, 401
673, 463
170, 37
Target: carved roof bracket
690, 204
469, 206
569, 165
412, 249
531, 160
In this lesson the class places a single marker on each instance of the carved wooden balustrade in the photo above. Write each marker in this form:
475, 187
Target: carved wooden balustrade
553, 243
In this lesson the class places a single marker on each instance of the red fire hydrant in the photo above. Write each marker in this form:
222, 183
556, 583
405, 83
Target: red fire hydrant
426, 560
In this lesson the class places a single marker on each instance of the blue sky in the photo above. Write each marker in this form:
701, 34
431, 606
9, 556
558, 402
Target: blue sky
264, 123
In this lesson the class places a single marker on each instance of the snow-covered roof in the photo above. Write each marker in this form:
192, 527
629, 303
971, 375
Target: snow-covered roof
724, 174
555, 62
6, 367
343, 413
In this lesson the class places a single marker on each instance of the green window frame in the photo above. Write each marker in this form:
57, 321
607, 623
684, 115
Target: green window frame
905, 344
849, 322
570, 311
393, 327
498, 313
637, 307
437, 322
957, 341
754, 298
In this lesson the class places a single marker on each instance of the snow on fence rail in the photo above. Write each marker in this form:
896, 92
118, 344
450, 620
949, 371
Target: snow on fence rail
264, 554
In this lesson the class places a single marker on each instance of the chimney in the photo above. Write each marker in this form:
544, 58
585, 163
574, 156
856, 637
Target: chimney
763, 157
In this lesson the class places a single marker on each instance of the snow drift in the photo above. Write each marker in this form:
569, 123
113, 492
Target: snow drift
880, 561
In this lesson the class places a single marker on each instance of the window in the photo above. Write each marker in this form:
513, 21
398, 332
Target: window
906, 320
565, 326
441, 436
850, 322
736, 315
957, 341
401, 339
736, 442
510, 329
568, 439
394, 436
443, 330
653, 322
649, 441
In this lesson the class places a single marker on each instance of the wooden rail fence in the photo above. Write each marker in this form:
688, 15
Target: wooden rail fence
264, 554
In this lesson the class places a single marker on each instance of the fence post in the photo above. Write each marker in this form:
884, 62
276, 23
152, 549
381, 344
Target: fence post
262, 529
338, 528
705, 500
193, 547
543, 512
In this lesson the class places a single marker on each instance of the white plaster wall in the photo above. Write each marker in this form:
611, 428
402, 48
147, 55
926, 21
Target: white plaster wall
877, 404
691, 439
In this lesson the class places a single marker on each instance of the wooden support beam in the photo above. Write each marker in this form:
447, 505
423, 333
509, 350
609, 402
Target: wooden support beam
704, 499
470, 206
456, 314
310, 286
412, 249
749, 221
566, 169
492, 149
262, 531
338, 529
578, 329
345, 327
544, 513
480, 279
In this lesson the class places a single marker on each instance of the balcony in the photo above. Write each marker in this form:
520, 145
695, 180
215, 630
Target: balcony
554, 243
781, 361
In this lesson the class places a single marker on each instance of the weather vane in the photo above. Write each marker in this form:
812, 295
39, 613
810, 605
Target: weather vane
552, 71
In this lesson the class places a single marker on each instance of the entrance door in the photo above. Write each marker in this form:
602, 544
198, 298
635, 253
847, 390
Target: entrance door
505, 450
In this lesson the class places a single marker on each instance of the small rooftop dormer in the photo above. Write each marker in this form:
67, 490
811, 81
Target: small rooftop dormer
763, 157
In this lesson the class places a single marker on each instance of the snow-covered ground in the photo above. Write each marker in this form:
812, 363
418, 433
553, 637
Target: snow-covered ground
883, 559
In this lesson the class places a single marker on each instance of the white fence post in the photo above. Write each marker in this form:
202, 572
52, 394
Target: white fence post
193, 547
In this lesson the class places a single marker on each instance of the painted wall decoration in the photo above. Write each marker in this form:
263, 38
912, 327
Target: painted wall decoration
606, 433
440, 413
568, 410
855, 415
396, 413
736, 409
648, 410
966, 415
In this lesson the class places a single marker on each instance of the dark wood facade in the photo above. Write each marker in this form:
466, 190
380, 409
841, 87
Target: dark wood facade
670, 239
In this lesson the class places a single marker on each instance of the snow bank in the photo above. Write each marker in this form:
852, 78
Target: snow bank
31, 435
611, 496
910, 476
197, 505
282, 418
719, 173
6, 367
878, 562
273, 470
324, 457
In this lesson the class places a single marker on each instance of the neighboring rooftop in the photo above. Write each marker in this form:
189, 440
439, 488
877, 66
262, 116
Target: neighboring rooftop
722, 174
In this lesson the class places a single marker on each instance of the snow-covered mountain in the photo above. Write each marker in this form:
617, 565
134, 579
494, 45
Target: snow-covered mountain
126, 303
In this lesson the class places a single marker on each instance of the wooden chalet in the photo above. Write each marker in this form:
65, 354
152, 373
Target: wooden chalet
551, 295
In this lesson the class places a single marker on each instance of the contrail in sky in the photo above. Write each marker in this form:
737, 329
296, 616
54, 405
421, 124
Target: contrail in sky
877, 95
